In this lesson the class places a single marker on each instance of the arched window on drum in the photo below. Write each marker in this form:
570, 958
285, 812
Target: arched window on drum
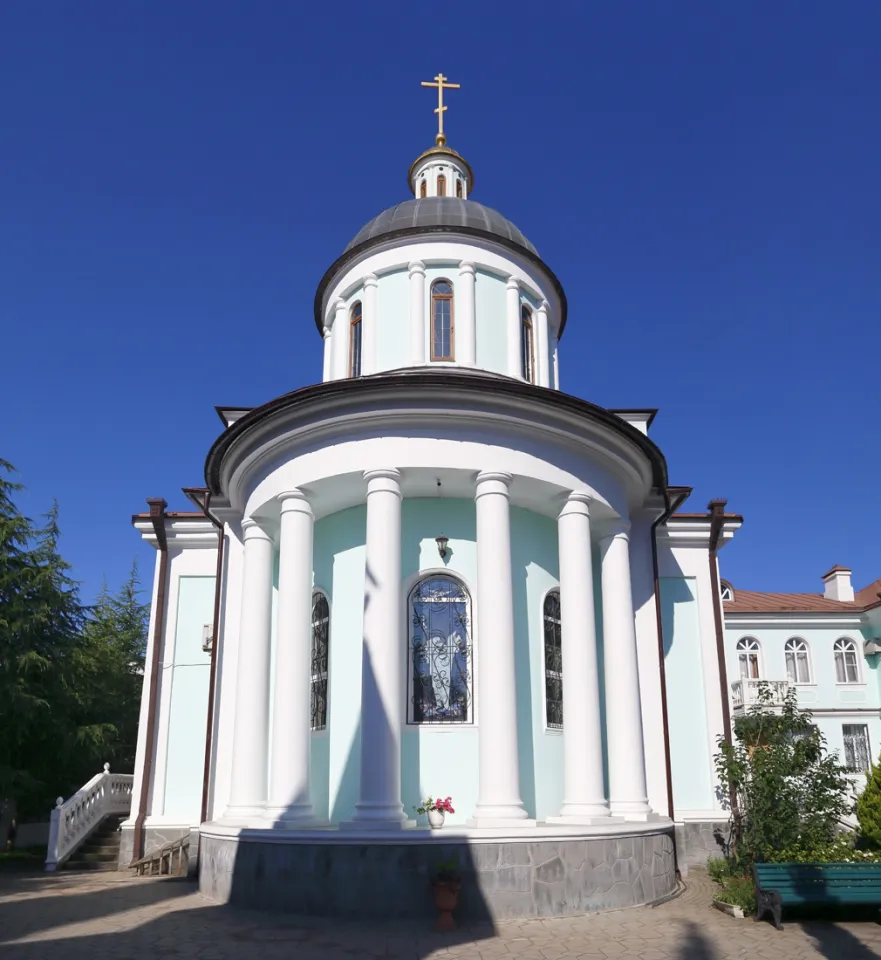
320, 652
439, 652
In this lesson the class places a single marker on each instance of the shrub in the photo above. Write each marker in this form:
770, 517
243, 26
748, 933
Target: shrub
787, 790
740, 892
869, 811
719, 869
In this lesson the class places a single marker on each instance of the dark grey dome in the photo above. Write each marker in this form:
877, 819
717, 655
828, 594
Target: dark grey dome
445, 212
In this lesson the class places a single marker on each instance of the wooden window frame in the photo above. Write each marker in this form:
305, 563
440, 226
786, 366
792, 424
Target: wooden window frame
435, 297
423, 189
459, 188
526, 321
441, 185
353, 322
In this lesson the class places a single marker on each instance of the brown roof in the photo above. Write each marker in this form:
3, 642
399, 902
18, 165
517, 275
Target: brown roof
836, 569
752, 601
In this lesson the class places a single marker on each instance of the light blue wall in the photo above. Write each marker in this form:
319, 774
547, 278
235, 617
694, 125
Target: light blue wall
189, 701
435, 759
690, 748
853, 703
393, 320
490, 314
534, 559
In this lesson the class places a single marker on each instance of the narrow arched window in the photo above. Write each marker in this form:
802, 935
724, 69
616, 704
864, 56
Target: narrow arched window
798, 661
441, 320
748, 650
441, 186
320, 651
847, 668
355, 340
423, 189
527, 345
553, 661
440, 654
458, 188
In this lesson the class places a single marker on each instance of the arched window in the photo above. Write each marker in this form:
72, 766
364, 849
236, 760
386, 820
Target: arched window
847, 669
320, 649
458, 188
527, 344
355, 340
553, 661
423, 189
441, 320
440, 654
727, 591
798, 661
748, 650
441, 186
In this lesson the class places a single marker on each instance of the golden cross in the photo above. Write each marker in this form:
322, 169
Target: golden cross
440, 81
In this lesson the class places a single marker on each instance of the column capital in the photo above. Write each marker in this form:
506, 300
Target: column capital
253, 531
383, 479
492, 481
619, 527
294, 501
416, 266
513, 284
575, 502
370, 280
339, 305
326, 332
543, 307
466, 266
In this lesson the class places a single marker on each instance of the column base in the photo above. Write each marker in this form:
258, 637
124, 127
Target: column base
579, 820
233, 815
293, 819
597, 809
391, 826
502, 823
636, 810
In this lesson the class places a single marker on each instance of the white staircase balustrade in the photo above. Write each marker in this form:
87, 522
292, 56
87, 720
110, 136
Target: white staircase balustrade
106, 794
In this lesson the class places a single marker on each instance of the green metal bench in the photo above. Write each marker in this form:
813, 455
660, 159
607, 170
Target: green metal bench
794, 884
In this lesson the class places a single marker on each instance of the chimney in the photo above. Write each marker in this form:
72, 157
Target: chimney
837, 584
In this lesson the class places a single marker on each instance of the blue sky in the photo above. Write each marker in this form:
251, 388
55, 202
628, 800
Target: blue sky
703, 178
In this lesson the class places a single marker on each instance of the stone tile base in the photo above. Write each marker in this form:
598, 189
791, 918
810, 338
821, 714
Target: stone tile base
501, 880
696, 841
154, 837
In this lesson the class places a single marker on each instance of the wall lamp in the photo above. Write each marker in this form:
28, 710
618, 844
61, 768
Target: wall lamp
442, 542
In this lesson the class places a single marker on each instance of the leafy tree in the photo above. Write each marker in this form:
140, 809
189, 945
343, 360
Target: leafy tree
869, 811
789, 792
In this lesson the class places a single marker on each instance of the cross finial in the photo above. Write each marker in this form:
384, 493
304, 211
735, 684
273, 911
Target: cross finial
440, 81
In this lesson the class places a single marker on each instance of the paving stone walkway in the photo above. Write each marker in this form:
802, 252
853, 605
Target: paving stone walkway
109, 917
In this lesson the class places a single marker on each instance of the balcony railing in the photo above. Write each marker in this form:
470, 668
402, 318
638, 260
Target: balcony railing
745, 694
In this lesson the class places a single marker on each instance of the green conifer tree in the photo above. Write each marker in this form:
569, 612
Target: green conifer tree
869, 811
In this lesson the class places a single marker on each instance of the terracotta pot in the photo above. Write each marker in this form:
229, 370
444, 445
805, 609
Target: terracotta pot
436, 819
446, 896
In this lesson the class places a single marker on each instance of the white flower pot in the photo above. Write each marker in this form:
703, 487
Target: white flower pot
435, 819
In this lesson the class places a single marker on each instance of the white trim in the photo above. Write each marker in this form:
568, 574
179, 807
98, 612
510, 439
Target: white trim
408, 586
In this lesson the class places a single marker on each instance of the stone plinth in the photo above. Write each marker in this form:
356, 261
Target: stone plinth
377, 878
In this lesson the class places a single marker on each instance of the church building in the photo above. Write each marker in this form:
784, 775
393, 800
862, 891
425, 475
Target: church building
435, 572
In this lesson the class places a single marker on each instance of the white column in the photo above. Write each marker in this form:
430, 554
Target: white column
555, 354
626, 751
247, 795
417, 312
584, 797
382, 659
466, 329
328, 344
542, 344
498, 795
368, 319
289, 799
340, 341
512, 295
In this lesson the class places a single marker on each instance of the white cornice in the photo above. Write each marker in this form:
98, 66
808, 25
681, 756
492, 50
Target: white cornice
791, 619
695, 533
181, 532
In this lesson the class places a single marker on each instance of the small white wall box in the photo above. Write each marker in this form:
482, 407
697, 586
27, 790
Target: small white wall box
208, 630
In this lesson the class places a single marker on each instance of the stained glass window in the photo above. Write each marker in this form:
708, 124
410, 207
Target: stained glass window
355, 340
846, 668
320, 648
440, 651
442, 320
553, 661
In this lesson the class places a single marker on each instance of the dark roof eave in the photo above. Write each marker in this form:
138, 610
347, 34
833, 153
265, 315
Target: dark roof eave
355, 252
322, 392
